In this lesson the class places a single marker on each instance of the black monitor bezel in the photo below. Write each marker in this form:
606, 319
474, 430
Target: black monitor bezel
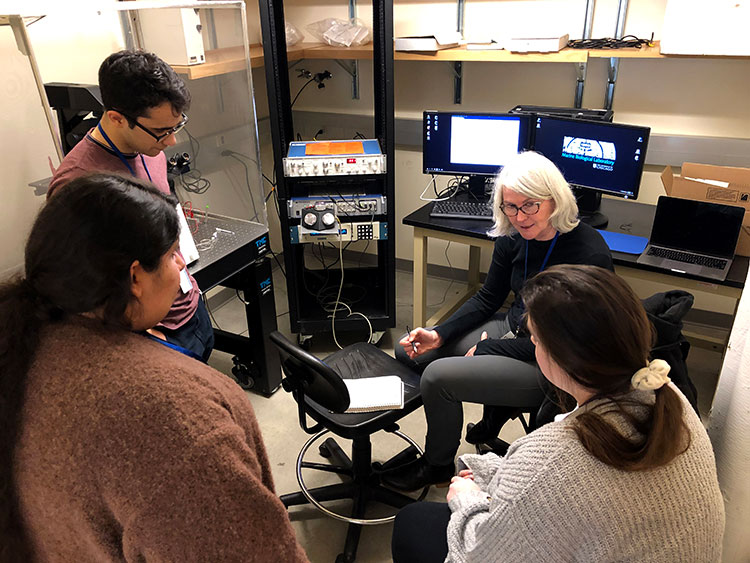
525, 120
598, 123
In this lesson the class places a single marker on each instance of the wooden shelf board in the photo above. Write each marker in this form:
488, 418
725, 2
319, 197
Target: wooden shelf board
320, 51
493, 55
652, 52
455, 54
230, 59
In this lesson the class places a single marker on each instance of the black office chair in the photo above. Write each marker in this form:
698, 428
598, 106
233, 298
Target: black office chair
320, 394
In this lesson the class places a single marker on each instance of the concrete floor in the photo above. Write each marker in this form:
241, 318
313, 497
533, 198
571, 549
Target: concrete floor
323, 537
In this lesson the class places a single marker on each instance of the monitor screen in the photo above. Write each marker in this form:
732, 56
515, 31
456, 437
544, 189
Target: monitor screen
606, 157
471, 143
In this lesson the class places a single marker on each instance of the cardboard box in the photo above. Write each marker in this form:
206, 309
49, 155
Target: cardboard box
428, 43
715, 184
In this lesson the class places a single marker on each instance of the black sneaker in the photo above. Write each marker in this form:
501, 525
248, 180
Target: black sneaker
495, 446
418, 474
480, 432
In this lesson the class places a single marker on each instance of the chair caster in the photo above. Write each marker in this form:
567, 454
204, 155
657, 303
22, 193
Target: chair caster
304, 341
243, 373
343, 558
324, 451
376, 337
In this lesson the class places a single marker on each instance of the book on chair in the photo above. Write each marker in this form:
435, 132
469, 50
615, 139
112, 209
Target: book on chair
370, 394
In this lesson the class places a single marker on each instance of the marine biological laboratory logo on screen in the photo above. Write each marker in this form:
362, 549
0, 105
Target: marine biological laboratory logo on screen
601, 154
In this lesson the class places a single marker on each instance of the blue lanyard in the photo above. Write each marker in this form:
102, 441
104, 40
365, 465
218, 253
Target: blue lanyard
544, 262
176, 347
122, 156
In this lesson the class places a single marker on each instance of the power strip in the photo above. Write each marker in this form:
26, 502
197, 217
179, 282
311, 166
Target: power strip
346, 232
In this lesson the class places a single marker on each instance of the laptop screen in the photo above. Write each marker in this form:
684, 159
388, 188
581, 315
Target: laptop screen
697, 226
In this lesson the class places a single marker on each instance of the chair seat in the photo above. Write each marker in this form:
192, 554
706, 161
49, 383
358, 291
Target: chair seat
365, 360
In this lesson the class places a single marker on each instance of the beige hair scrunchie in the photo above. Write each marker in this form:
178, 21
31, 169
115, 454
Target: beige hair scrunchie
652, 377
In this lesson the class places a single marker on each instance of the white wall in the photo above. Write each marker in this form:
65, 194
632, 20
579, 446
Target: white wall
25, 147
70, 45
729, 429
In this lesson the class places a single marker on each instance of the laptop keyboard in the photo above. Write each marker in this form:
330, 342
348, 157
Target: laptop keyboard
688, 258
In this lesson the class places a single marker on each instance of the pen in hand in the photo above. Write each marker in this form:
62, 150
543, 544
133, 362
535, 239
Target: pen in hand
408, 333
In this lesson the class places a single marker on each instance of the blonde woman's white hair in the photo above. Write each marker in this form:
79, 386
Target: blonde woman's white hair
535, 176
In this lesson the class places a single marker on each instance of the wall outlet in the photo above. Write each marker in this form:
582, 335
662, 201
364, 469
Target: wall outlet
220, 140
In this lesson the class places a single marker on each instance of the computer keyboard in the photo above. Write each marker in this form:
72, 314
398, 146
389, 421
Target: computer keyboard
462, 210
688, 258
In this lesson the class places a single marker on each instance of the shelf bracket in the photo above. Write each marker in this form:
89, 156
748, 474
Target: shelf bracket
581, 67
612, 72
580, 82
457, 68
352, 71
614, 63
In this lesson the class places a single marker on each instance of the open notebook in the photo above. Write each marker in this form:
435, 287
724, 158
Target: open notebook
370, 394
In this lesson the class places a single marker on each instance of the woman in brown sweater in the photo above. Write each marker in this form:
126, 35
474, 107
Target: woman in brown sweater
116, 447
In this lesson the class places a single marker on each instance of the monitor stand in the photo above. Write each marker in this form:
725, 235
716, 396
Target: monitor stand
588, 208
477, 185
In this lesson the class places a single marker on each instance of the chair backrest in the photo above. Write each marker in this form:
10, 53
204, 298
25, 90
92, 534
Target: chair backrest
307, 376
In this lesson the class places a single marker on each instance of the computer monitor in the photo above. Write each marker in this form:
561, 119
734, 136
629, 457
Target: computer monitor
595, 157
476, 145
557, 111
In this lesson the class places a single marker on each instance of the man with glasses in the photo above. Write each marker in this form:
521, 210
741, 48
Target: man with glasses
480, 354
144, 107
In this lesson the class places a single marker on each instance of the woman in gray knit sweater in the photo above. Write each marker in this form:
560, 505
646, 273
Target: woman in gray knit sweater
629, 475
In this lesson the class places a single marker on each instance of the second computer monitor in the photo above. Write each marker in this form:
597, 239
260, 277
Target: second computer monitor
476, 145
605, 157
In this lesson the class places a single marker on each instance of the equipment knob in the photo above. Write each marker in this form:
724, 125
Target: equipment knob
310, 219
329, 219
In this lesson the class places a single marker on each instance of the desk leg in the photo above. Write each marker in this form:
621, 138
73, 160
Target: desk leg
420, 278
256, 351
475, 253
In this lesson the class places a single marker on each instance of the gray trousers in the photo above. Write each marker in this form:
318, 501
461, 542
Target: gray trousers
450, 378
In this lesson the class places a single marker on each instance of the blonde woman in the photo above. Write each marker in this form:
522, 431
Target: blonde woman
483, 356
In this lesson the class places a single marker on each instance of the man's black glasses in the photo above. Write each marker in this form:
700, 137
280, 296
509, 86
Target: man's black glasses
167, 132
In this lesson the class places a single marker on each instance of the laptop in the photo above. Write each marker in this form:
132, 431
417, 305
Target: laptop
693, 237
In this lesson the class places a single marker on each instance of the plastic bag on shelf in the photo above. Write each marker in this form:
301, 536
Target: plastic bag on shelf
340, 33
293, 35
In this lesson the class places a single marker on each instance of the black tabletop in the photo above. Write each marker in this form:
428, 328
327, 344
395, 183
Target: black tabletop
232, 247
624, 217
